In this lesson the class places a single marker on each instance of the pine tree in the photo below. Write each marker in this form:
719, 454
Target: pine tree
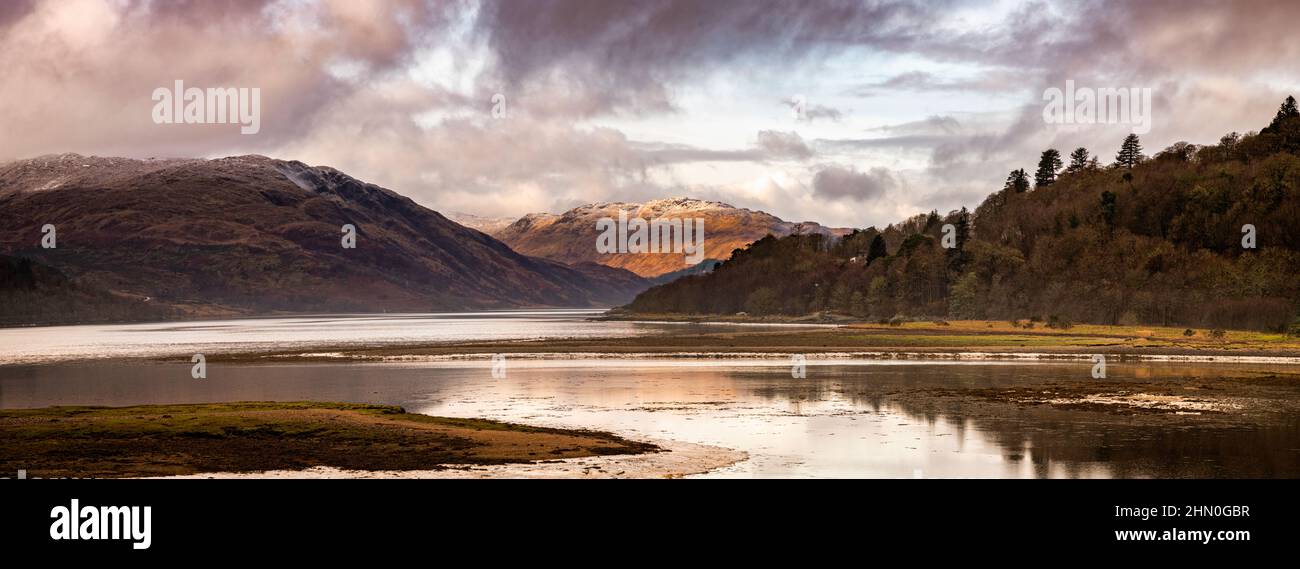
1130, 153
1018, 181
1286, 111
1078, 160
877, 249
1048, 164
963, 227
957, 256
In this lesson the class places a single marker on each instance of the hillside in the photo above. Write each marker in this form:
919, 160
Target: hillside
1156, 241
250, 234
488, 225
570, 237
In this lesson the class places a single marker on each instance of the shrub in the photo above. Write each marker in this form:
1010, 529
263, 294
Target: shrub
1218, 333
762, 301
1189, 332
1059, 322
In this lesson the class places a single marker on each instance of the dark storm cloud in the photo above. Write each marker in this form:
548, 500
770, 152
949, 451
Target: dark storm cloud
13, 10
633, 51
78, 75
1141, 38
777, 144
770, 145
835, 182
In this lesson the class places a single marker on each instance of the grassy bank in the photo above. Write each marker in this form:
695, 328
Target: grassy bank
978, 333
164, 440
910, 337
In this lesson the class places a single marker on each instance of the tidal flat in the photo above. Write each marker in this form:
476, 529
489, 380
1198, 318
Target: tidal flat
254, 437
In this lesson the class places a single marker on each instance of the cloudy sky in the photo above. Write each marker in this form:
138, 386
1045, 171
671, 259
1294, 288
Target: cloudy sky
906, 107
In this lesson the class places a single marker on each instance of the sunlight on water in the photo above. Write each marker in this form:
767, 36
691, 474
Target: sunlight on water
56, 343
867, 418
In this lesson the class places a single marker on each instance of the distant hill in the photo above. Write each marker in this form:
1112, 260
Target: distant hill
251, 234
488, 225
570, 237
1158, 243
33, 293
702, 267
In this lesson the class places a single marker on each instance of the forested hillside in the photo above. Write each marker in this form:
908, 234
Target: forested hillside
1144, 240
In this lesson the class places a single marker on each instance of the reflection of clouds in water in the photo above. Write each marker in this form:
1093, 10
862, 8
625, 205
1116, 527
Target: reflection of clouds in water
857, 421
878, 420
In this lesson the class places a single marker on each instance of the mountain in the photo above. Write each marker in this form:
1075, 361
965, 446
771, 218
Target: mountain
251, 234
571, 237
703, 267
32, 292
488, 225
1164, 242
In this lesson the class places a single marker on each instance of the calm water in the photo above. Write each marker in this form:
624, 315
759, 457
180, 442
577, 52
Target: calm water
843, 420
847, 418
55, 343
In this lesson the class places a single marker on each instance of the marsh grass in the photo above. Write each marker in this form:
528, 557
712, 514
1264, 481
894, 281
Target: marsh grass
163, 440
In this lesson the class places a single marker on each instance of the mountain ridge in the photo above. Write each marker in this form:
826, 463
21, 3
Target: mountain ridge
571, 236
255, 234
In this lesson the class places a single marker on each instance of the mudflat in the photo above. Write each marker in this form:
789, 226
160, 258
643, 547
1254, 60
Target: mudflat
169, 440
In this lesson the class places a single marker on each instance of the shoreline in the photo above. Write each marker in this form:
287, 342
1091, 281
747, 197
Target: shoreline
450, 352
678, 459
783, 356
939, 340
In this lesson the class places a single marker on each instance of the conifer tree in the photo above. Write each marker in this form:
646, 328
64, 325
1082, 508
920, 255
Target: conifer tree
877, 249
1078, 160
1286, 111
1018, 181
1130, 153
1048, 164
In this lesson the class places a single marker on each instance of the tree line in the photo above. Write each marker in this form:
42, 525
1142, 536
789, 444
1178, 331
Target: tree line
1154, 240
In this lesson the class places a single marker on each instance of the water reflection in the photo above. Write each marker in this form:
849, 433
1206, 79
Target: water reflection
58, 343
888, 419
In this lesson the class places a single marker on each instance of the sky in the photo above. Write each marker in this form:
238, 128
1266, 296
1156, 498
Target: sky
848, 113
